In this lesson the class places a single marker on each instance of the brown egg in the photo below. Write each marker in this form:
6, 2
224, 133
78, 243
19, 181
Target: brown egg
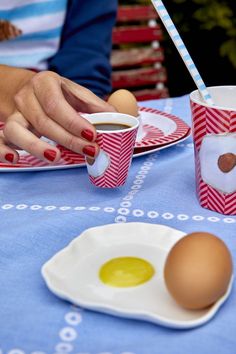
197, 270
124, 102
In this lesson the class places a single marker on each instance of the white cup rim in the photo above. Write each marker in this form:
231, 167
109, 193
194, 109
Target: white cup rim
122, 118
202, 103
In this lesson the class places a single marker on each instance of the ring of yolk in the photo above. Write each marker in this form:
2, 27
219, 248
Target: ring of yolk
126, 272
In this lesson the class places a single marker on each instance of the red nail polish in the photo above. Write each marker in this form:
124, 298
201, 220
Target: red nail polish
89, 150
9, 157
87, 134
50, 154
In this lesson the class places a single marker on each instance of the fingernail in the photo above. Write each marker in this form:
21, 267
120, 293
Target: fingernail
9, 157
89, 150
50, 154
87, 134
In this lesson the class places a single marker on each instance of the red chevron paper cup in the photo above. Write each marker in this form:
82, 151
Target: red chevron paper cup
214, 133
110, 169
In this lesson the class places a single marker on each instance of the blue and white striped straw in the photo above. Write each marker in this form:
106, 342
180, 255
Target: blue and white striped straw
171, 29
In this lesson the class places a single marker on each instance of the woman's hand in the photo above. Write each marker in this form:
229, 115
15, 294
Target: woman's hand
48, 105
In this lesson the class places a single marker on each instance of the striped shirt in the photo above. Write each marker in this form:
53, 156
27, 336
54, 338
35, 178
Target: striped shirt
36, 26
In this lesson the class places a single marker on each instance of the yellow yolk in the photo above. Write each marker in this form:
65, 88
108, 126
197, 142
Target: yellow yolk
125, 272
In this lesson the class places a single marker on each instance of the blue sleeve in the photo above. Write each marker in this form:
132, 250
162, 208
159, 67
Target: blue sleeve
84, 53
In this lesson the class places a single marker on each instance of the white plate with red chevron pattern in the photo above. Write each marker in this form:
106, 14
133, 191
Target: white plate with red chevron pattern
160, 130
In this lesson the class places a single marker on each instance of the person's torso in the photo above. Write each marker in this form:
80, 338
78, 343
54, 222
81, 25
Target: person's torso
30, 31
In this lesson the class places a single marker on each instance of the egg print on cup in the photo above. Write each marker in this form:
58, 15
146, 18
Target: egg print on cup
214, 134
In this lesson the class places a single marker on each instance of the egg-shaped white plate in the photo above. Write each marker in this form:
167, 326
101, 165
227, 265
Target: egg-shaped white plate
73, 274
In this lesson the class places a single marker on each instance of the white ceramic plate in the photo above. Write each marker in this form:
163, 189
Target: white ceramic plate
148, 150
69, 159
160, 128
73, 274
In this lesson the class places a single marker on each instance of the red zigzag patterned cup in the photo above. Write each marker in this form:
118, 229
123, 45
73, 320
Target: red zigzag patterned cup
111, 167
214, 133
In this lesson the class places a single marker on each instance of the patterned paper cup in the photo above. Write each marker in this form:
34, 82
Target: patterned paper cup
214, 133
110, 169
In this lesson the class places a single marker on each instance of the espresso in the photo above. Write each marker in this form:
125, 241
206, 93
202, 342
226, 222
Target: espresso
111, 126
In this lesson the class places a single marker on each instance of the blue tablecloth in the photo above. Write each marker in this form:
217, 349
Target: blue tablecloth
41, 212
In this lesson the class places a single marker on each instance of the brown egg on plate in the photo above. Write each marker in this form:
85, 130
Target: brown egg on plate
198, 270
124, 102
